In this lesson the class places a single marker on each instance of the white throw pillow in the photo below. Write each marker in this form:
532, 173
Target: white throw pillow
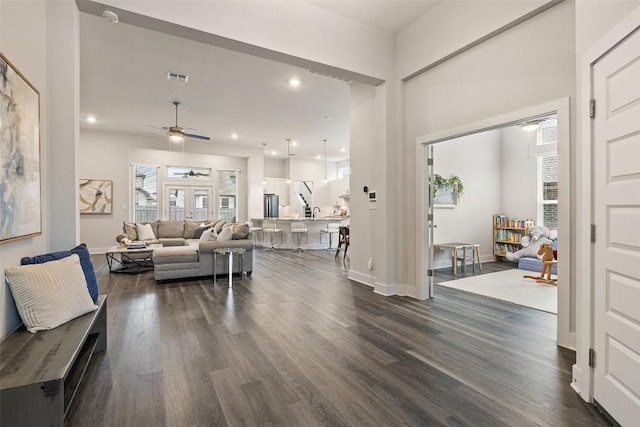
209, 234
226, 234
145, 232
50, 294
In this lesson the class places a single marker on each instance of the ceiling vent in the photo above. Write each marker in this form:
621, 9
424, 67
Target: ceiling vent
331, 76
177, 77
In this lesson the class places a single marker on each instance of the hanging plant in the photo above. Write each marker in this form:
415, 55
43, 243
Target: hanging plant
447, 183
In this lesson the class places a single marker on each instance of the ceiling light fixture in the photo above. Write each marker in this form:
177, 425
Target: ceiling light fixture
176, 138
91, 119
342, 150
325, 161
294, 81
274, 152
234, 135
264, 163
288, 161
110, 16
531, 126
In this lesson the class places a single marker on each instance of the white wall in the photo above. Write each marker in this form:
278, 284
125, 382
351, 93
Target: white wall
452, 26
519, 173
476, 160
529, 64
25, 31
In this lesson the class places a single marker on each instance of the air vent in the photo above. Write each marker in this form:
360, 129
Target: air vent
177, 77
331, 76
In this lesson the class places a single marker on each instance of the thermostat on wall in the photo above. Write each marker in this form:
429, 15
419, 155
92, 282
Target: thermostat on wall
372, 200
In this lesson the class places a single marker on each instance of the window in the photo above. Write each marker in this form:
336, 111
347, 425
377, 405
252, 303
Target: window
227, 193
548, 190
145, 193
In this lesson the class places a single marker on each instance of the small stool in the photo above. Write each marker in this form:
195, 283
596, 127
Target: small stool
270, 227
254, 230
343, 239
297, 229
332, 228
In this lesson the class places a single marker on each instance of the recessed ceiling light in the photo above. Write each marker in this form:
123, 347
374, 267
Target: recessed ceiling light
294, 81
318, 157
234, 135
342, 150
91, 119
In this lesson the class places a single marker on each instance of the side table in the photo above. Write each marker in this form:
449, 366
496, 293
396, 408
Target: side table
229, 252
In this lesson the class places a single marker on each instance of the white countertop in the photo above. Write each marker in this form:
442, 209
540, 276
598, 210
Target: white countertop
326, 218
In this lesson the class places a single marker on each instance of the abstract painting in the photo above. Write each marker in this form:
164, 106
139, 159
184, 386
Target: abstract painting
20, 211
96, 196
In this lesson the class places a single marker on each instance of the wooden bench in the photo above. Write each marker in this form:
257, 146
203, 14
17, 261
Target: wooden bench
40, 373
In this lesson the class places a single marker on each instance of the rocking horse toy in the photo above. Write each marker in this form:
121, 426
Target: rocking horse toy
546, 250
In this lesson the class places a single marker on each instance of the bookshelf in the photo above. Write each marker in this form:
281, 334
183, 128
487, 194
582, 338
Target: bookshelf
507, 234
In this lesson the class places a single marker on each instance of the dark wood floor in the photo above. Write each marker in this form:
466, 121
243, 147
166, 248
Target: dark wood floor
299, 344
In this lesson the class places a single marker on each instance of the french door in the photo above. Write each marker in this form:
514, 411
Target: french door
187, 202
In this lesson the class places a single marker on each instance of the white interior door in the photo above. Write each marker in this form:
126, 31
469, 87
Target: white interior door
616, 205
187, 202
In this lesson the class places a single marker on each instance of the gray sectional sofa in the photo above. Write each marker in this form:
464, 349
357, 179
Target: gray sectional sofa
184, 256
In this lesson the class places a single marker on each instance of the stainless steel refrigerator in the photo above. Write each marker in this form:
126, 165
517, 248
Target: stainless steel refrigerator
270, 205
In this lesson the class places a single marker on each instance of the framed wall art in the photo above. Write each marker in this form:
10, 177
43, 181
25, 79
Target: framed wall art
96, 196
20, 191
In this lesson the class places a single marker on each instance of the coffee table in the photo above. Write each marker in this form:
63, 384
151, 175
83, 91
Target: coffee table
229, 252
132, 261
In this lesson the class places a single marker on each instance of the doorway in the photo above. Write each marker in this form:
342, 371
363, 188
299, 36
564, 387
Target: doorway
187, 202
503, 187
426, 263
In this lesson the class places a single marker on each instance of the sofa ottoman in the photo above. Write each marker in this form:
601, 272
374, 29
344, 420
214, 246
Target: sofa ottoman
174, 262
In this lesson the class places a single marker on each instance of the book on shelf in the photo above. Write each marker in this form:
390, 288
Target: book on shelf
136, 244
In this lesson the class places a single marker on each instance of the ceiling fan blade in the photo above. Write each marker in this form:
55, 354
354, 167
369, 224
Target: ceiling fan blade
190, 135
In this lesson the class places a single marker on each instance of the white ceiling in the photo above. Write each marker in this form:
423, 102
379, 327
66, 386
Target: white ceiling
123, 70
386, 15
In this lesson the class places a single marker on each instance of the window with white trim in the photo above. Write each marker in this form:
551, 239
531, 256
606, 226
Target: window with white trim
548, 190
145, 193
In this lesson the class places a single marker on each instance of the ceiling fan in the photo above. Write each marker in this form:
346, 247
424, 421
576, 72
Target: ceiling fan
177, 134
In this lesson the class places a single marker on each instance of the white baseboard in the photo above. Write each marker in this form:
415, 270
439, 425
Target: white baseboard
385, 289
365, 279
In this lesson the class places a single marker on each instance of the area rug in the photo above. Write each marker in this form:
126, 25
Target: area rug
510, 286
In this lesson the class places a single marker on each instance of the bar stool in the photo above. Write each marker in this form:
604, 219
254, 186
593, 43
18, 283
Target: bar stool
332, 228
254, 230
343, 240
271, 228
297, 229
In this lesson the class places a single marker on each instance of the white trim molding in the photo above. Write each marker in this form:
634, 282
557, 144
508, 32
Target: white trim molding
566, 337
582, 377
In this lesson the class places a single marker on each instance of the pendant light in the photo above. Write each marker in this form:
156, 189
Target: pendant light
325, 161
264, 163
288, 161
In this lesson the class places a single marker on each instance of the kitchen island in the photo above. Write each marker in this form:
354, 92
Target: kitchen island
315, 239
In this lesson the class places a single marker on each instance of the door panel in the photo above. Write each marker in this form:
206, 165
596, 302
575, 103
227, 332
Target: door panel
616, 146
430, 211
185, 202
